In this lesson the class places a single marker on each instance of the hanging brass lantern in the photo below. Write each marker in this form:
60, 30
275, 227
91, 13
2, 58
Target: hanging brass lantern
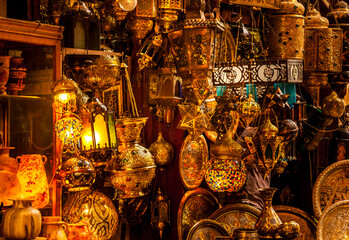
168, 13
270, 147
286, 38
165, 89
193, 49
323, 46
150, 52
141, 23
162, 151
160, 212
339, 17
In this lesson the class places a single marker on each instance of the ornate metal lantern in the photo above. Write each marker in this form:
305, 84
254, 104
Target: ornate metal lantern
141, 23
160, 212
165, 89
270, 146
193, 49
81, 27
168, 12
339, 17
64, 95
323, 46
98, 137
150, 52
286, 39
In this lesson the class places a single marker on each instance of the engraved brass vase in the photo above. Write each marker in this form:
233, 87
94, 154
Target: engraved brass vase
268, 221
132, 169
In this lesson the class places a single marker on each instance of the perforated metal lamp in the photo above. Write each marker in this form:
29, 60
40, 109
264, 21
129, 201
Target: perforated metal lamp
98, 137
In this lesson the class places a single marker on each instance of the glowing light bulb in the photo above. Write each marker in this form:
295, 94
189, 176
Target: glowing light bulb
127, 5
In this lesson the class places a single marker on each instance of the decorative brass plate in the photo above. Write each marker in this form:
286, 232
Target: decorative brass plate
206, 229
237, 215
334, 222
195, 205
306, 222
192, 160
331, 186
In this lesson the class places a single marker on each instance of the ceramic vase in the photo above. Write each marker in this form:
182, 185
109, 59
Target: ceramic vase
10, 187
4, 72
33, 179
268, 221
53, 228
22, 221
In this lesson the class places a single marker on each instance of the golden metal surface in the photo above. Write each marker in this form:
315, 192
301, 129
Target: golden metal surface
206, 229
331, 186
306, 221
334, 223
193, 157
236, 216
195, 205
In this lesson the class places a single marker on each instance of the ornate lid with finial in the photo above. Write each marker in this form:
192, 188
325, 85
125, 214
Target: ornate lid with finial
339, 14
314, 19
162, 151
290, 7
268, 129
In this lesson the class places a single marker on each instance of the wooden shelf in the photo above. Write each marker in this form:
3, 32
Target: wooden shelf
86, 52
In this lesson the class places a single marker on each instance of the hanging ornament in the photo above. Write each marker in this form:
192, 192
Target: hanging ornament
270, 146
278, 98
162, 151
225, 172
195, 119
249, 110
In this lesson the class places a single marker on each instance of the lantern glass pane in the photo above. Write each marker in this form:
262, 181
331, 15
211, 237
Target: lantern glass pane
101, 132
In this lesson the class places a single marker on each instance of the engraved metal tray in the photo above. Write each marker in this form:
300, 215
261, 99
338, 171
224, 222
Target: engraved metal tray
237, 215
195, 205
331, 186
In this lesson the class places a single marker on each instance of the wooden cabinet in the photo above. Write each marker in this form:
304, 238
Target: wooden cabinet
27, 119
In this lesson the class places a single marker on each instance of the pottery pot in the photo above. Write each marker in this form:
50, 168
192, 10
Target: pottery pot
22, 221
53, 228
33, 179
